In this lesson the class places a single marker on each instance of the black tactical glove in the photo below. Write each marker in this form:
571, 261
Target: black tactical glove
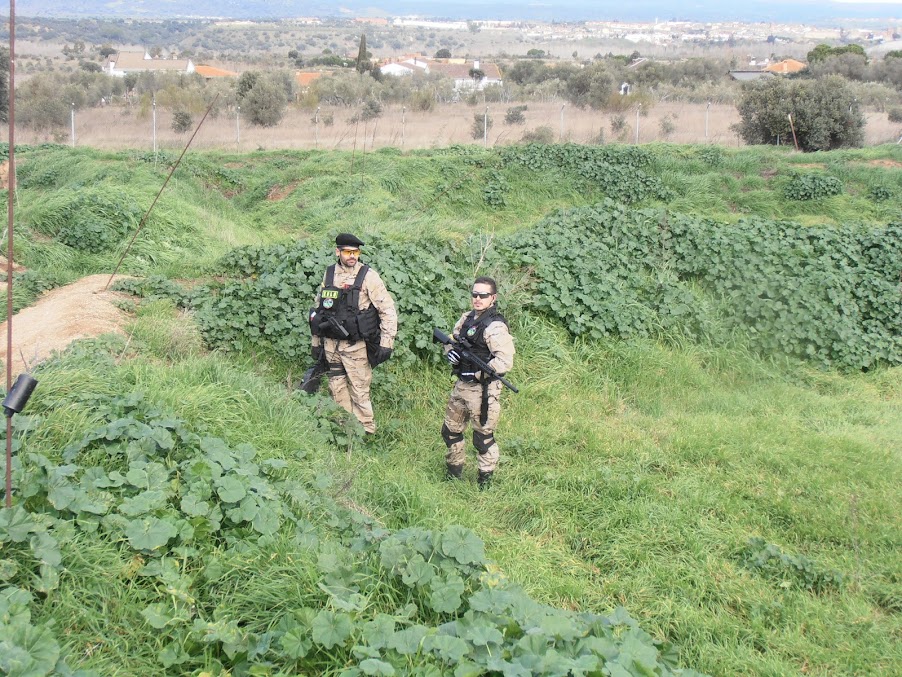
453, 357
316, 352
381, 355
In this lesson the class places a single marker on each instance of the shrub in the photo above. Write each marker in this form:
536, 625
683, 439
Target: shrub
481, 124
894, 114
181, 121
543, 134
422, 100
514, 115
372, 109
264, 105
822, 110
667, 126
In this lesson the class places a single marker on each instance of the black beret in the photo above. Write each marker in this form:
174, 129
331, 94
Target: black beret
347, 240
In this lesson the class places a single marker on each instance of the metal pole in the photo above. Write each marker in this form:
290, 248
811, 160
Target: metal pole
403, 115
154, 116
706, 120
72, 116
638, 108
561, 138
316, 128
793, 128
160, 192
485, 128
9, 246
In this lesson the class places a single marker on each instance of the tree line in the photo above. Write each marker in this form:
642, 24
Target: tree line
826, 101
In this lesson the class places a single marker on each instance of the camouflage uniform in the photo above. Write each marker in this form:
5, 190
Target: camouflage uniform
465, 403
350, 373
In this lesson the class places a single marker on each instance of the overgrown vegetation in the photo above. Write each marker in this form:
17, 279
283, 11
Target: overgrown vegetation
814, 114
695, 441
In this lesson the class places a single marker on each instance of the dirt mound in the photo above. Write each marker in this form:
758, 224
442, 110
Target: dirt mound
79, 310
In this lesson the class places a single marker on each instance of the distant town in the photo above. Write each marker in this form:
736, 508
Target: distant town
659, 33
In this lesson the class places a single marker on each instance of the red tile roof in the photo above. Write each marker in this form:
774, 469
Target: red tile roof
213, 72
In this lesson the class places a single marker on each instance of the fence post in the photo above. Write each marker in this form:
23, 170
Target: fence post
403, 115
238, 125
73, 124
485, 129
561, 137
316, 128
154, 122
638, 108
706, 121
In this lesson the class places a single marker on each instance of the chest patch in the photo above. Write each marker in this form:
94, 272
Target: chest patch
471, 331
328, 303
330, 294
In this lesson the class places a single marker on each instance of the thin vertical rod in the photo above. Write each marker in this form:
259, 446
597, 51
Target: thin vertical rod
160, 192
9, 246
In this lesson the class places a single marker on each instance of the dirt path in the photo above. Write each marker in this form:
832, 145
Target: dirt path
79, 310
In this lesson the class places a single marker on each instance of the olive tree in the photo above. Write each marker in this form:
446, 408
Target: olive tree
264, 104
824, 113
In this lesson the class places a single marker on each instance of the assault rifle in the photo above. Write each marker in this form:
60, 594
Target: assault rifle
463, 347
314, 375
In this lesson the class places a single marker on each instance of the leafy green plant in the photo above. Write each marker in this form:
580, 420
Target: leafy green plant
620, 172
773, 562
204, 518
811, 187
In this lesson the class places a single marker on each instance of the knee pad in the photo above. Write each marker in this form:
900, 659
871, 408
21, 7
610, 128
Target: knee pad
483, 441
336, 369
451, 438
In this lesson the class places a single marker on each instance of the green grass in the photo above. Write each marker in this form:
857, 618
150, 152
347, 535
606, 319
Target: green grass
633, 473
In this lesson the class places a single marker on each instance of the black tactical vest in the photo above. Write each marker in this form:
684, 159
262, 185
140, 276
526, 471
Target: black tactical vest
338, 315
472, 336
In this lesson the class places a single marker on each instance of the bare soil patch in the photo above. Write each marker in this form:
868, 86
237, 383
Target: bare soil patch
894, 164
277, 192
79, 310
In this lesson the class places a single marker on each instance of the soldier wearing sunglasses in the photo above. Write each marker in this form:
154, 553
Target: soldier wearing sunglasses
353, 325
475, 397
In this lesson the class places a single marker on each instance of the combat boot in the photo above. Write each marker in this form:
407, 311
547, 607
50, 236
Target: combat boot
484, 479
455, 472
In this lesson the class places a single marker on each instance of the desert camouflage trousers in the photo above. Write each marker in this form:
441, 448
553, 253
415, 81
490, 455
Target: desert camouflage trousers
465, 405
350, 376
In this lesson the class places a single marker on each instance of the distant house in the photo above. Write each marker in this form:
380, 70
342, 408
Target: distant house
786, 67
397, 69
211, 72
305, 78
458, 70
122, 63
748, 76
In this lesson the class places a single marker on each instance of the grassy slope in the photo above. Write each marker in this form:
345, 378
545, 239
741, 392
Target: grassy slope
633, 473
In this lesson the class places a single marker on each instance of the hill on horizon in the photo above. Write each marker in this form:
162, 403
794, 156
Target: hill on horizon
797, 11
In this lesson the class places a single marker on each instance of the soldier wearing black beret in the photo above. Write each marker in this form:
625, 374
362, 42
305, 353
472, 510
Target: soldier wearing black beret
354, 324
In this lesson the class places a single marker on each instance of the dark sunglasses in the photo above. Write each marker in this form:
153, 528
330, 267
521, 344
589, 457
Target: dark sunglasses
480, 295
